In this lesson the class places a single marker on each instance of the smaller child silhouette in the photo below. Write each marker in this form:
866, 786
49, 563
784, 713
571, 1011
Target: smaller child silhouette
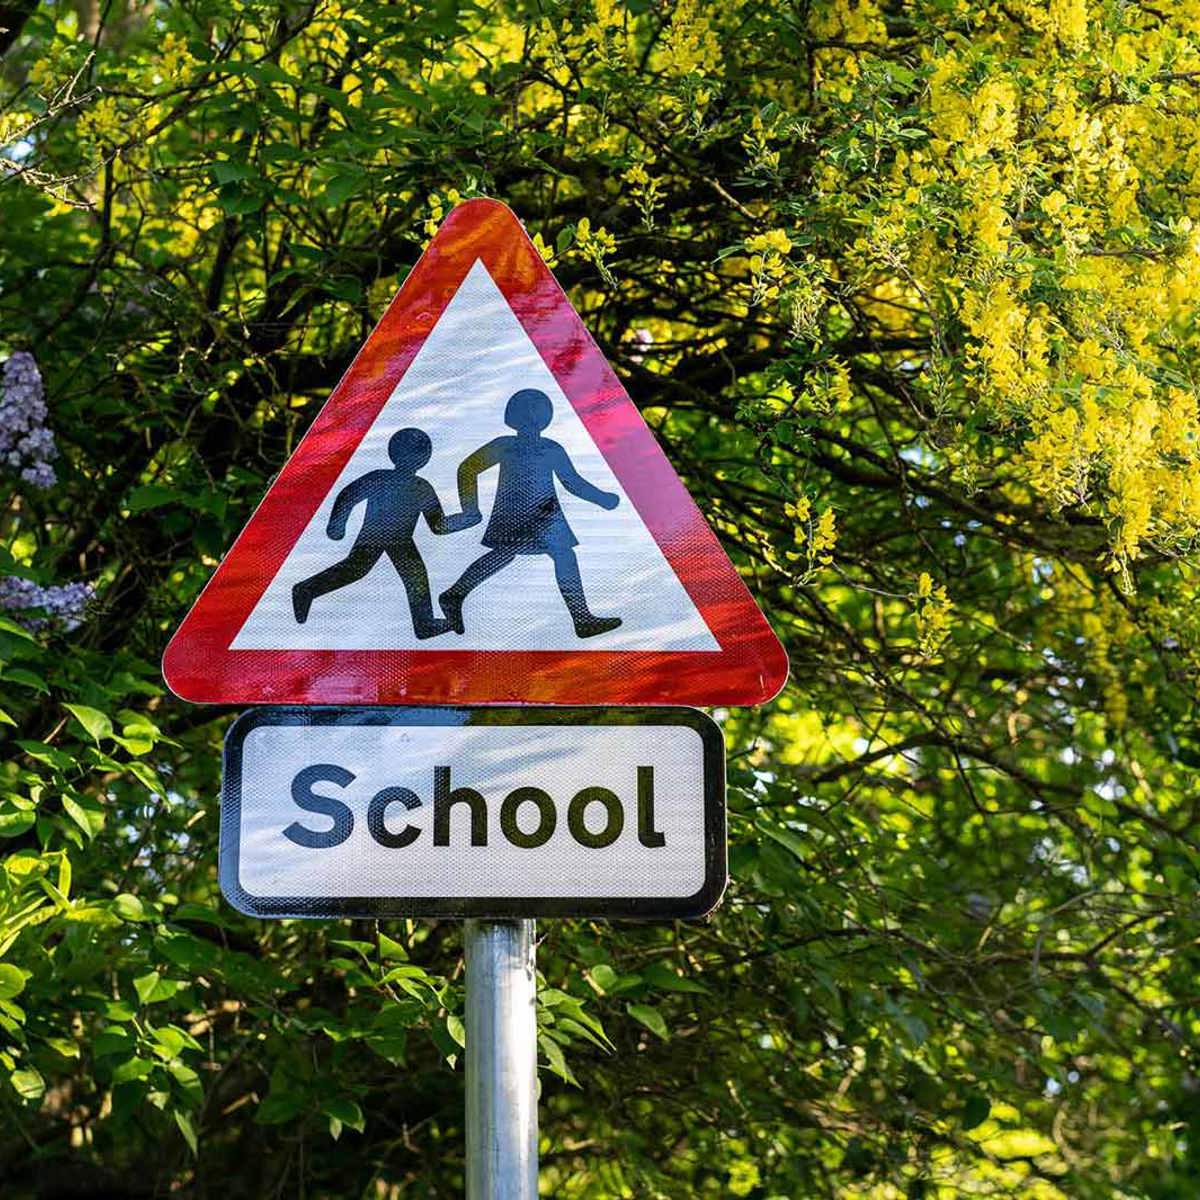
526, 515
395, 501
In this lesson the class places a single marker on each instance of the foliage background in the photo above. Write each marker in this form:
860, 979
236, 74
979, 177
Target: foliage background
908, 292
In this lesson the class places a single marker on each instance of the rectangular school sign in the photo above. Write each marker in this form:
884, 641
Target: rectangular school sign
461, 812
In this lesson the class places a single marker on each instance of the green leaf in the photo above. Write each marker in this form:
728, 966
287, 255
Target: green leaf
281, 152
8, 625
189, 911
659, 975
132, 1069
91, 914
414, 981
279, 1107
556, 1059
93, 721
129, 908
975, 1110
150, 496
12, 980
184, 1122
345, 1111
391, 949
604, 976
610, 982
67, 1047
340, 188
571, 1028
42, 753
225, 171
456, 1028
787, 838
86, 812
145, 985
649, 1016
113, 1039
26, 678
13, 824
146, 776
365, 950
188, 1082
28, 1084
172, 1040
447, 1045
342, 287
915, 1028
388, 1034
134, 745
237, 201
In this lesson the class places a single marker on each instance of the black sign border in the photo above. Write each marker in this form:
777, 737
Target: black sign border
655, 908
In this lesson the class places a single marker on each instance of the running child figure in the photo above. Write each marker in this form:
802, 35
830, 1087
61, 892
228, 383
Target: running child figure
527, 517
395, 500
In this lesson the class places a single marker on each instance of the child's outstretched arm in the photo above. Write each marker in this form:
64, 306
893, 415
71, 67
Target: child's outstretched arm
575, 483
353, 493
440, 523
469, 471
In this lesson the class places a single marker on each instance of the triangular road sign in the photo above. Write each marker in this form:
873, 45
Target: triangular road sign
478, 515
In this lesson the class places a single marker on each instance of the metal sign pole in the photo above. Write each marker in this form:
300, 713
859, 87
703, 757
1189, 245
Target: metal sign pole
502, 1125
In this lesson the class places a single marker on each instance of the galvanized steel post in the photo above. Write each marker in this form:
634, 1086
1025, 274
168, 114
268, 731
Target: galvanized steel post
502, 1124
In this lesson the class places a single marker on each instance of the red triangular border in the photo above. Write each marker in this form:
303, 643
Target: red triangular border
750, 666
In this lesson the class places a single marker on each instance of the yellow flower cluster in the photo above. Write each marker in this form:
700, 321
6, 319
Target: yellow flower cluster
13, 124
691, 43
931, 611
546, 251
1074, 304
1010, 348
646, 191
1102, 621
848, 22
768, 263
41, 71
829, 388
609, 33
774, 241
595, 245
174, 56
758, 141
1069, 20
439, 204
805, 300
815, 537
104, 122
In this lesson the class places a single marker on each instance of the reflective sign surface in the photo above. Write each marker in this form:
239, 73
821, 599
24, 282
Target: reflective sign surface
478, 515
473, 812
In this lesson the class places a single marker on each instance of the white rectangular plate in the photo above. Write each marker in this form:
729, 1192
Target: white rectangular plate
482, 812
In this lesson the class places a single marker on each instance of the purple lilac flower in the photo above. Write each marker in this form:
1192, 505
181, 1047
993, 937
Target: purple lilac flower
59, 605
26, 445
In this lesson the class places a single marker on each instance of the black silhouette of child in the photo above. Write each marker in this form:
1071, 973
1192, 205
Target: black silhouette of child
527, 517
395, 501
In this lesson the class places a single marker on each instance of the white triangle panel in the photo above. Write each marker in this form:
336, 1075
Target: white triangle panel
455, 390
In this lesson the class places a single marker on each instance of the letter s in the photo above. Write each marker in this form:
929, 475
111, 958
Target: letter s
326, 806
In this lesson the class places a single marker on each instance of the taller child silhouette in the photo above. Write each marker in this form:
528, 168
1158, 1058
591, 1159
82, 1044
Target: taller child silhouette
527, 517
396, 500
